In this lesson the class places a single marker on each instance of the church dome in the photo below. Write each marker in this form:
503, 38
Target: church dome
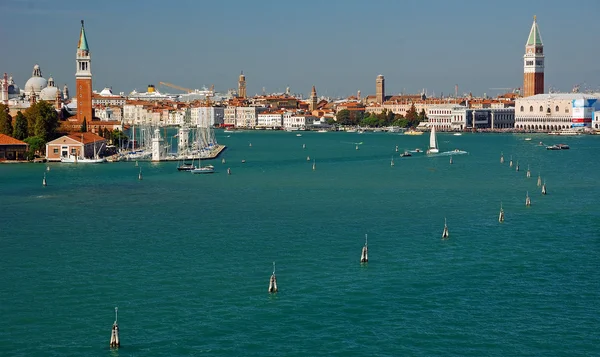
106, 92
36, 83
49, 93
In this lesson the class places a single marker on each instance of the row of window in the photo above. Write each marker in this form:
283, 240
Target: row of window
556, 109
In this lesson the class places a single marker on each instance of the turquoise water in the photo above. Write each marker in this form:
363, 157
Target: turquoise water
187, 258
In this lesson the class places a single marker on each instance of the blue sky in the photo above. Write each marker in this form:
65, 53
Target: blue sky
338, 46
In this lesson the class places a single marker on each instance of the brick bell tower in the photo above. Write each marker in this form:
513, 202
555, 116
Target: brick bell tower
83, 78
533, 63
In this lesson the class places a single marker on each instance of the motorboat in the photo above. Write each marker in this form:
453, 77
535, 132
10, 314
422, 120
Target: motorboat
405, 154
413, 132
553, 147
563, 146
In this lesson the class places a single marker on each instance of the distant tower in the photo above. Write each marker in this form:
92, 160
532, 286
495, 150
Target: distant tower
242, 86
533, 65
65, 92
83, 78
58, 100
380, 89
313, 99
358, 96
5, 89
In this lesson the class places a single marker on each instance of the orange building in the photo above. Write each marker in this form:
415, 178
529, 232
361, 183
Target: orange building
83, 78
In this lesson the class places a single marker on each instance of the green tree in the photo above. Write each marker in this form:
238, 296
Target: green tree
343, 117
5, 121
411, 115
20, 129
84, 125
42, 120
118, 137
402, 122
37, 145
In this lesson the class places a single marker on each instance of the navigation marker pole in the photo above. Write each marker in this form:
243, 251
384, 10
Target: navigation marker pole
114, 337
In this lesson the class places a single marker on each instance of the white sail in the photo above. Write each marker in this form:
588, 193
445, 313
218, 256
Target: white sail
433, 148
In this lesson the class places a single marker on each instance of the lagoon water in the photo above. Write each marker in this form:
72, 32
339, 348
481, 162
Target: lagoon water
187, 258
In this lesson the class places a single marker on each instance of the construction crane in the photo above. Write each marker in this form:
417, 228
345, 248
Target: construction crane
210, 94
176, 87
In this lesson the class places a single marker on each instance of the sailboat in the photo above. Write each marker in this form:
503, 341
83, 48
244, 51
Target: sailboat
44, 183
364, 255
185, 166
356, 147
501, 215
528, 172
392, 162
451, 162
501, 158
73, 159
228, 171
308, 158
517, 169
140, 175
527, 200
544, 188
539, 182
510, 163
433, 147
396, 148
445, 233
314, 165
208, 169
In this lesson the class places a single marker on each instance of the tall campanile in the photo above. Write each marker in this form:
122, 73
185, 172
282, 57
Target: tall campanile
83, 78
533, 63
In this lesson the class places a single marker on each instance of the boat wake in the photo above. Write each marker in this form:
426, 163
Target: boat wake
449, 153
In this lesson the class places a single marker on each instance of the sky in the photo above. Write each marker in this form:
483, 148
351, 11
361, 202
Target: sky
339, 46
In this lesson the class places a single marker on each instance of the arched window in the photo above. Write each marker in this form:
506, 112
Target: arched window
522, 108
541, 108
556, 109
548, 111
531, 108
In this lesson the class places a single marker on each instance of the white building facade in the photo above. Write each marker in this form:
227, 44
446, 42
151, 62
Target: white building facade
272, 120
298, 121
207, 116
555, 111
448, 117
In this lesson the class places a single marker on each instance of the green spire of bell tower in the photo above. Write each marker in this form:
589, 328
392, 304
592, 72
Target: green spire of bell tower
535, 38
83, 45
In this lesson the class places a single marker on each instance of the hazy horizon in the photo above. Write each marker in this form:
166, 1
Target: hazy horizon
338, 46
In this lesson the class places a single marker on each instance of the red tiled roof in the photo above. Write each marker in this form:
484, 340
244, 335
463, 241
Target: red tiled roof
9, 140
86, 138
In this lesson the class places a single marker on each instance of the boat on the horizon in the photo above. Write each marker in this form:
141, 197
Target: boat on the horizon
413, 132
568, 131
457, 134
433, 147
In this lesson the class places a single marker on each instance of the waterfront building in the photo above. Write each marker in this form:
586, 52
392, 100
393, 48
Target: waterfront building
246, 117
229, 115
204, 116
242, 86
270, 119
11, 148
83, 79
596, 119
281, 101
554, 111
533, 63
448, 117
298, 121
75, 144
380, 89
